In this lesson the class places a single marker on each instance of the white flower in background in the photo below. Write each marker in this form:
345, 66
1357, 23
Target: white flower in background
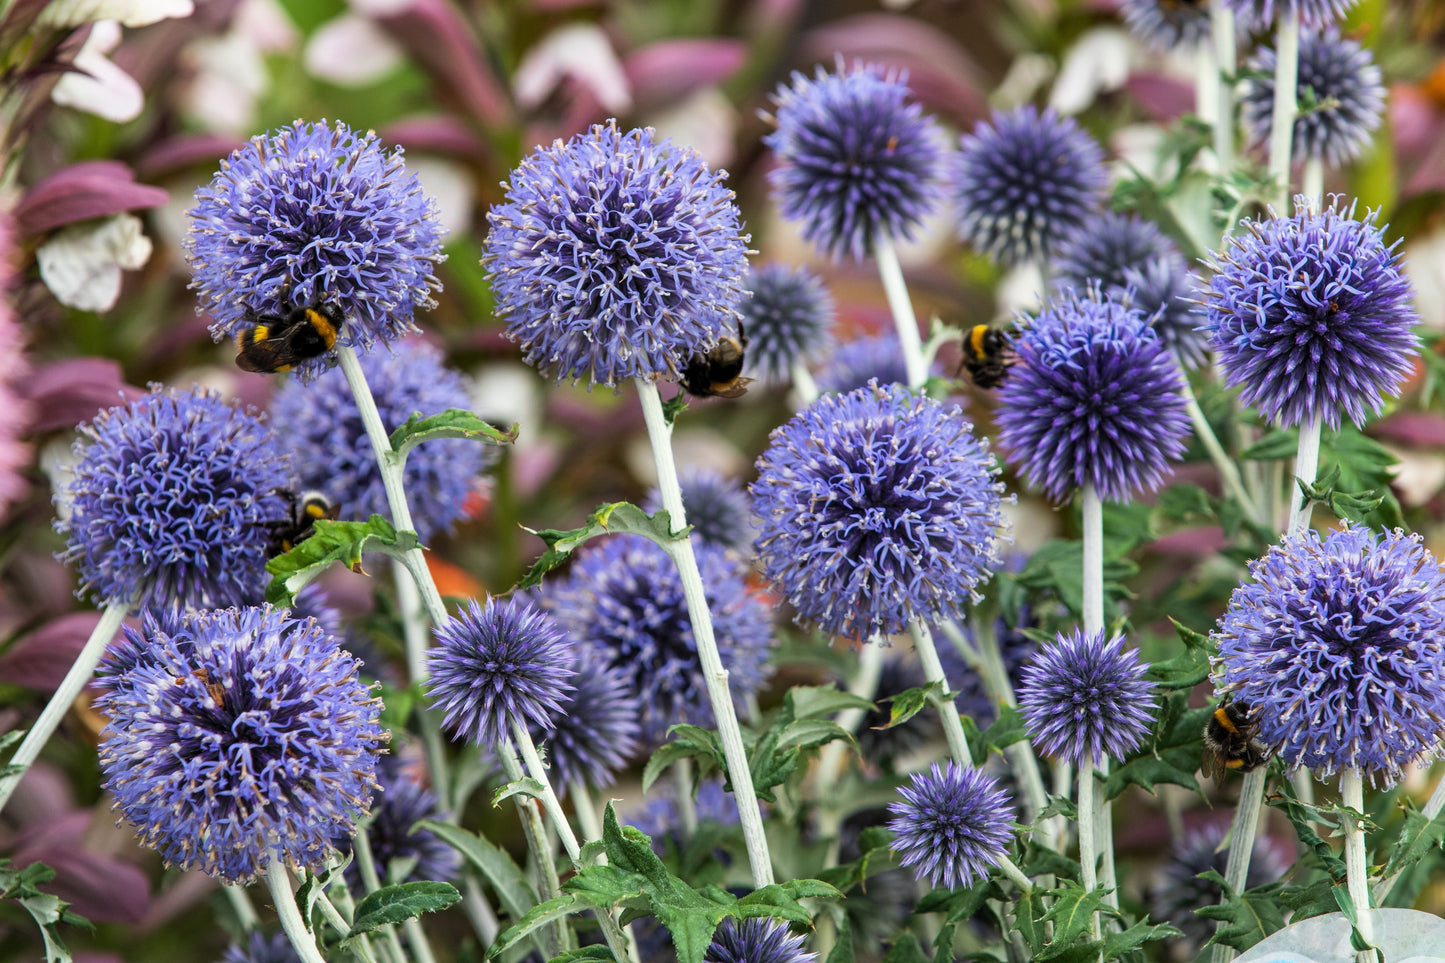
450, 185
129, 13
1098, 62
582, 52
229, 71
81, 264
706, 121
96, 85
351, 51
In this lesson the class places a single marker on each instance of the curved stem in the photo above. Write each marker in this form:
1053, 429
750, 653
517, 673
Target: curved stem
891, 274
537, 844
241, 905
947, 711
362, 944
80, 672
1286, 103
1357, 872
278, 881
537, 771
803, 384
1228, 470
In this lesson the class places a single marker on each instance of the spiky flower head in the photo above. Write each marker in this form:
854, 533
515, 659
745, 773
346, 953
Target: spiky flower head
260, 948
1339, 645
1084, 698
717, 508
615, 256
1164, 293
1347, 90
241, 736
856, 159
756, 940
595, 733
499, 664
876, 357
330, 451
877, 507
1167, 24
1024, 181
1312, 13
788, 320
397, 843
1093, 398
1310, 316
623, 600
1180, 891
315, 214
951, 824
172, 502
1101, 249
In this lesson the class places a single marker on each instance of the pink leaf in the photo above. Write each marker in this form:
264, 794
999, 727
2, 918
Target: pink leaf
41, 659
80, 192
65, 393
672, 69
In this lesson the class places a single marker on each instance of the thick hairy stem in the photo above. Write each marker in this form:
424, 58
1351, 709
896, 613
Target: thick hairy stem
1306, 469
1241, 842
1088, 853
1093, 521
537, 771
1221, 20
864, 684
278, 881
1286, 104
1357, 870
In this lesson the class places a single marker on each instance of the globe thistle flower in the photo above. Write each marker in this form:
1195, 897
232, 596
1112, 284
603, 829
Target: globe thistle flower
331, 453
1180, 891
242, 736
756, 941
1024, 181
1163, 292
717, 508
500, 663
402, 803
1167, 24
1084, 698
1103, 248
172, 502
855, 158
315, 214
260, 948
623, 600
877, 506
1092, 399
880, 746
1310, 316
595, 733
951, 825
1339, 645
788, 320
1312, 13
615, 256
1343, 81
877, 357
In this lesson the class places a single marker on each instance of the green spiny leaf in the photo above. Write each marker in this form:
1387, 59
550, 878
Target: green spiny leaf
612, 518
396, 904
494, 863
452, 423
332, 542
539, 916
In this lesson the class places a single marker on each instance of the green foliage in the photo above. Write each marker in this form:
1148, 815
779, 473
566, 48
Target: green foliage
452, 423
48, 912
612, 518
401, 902
333, 542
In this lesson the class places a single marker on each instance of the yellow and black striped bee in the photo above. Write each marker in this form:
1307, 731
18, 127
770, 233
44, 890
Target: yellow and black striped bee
1231, 742
986, 356
718, 373
275, 343
306, 511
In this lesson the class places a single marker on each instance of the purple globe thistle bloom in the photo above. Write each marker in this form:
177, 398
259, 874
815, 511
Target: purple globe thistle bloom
500, 663
402, 803
615, 256
788, 320
951, 825
1103, 248
1312, 13
877, 507
1024, 181
315, 214
1339, 644
852, 365
1094, 398
172, 502
1310, 316
1084, 698
1343, 81
623, 600
756, 941
717, 508
1164, 294
595, 733
331, 453
1180, 891
242, 736
1167, 24
260, 948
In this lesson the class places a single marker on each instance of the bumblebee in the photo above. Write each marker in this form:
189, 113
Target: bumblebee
718, 374
986, 356
1231, 742
305, 512
275, 343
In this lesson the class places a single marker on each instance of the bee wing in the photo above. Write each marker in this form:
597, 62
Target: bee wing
265, 356
1212, 765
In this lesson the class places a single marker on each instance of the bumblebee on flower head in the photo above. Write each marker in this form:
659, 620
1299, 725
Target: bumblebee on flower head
1231, 740
276, 343
718, 373
986, 355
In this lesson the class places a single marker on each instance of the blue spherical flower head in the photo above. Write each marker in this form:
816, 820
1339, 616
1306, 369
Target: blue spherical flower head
1024, 181
1167, 24
877, 507
403, 802
877, 357
173, 502
499, 664
315, 214
1342, 80
1103, 248
717, 508
951, 825
595, 734
623, 601
1310, 316
615, 256
1094, 398
240, 737
1163, 292
788, 321
756, 941
1339, 646
1180, 891
331, 453
1312, 13
260, 948
856, 159
1085, 698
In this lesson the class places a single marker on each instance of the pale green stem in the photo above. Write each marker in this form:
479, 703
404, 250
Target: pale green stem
947, 711
1221, 20
864, 684
994, 673
682, 785
80, 672
1206, 84
241, 906
537, 771
586, 810
1011, 870
414, 631
1306, 469
537, 844
803, 384
1241, 842
1228, 470
1105, 838
483, 918
1313, 184
1286, 104
361, 944
278, 881
714, 674
370, 882
891, 274
1357, 871
1093, 532
1088, 855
